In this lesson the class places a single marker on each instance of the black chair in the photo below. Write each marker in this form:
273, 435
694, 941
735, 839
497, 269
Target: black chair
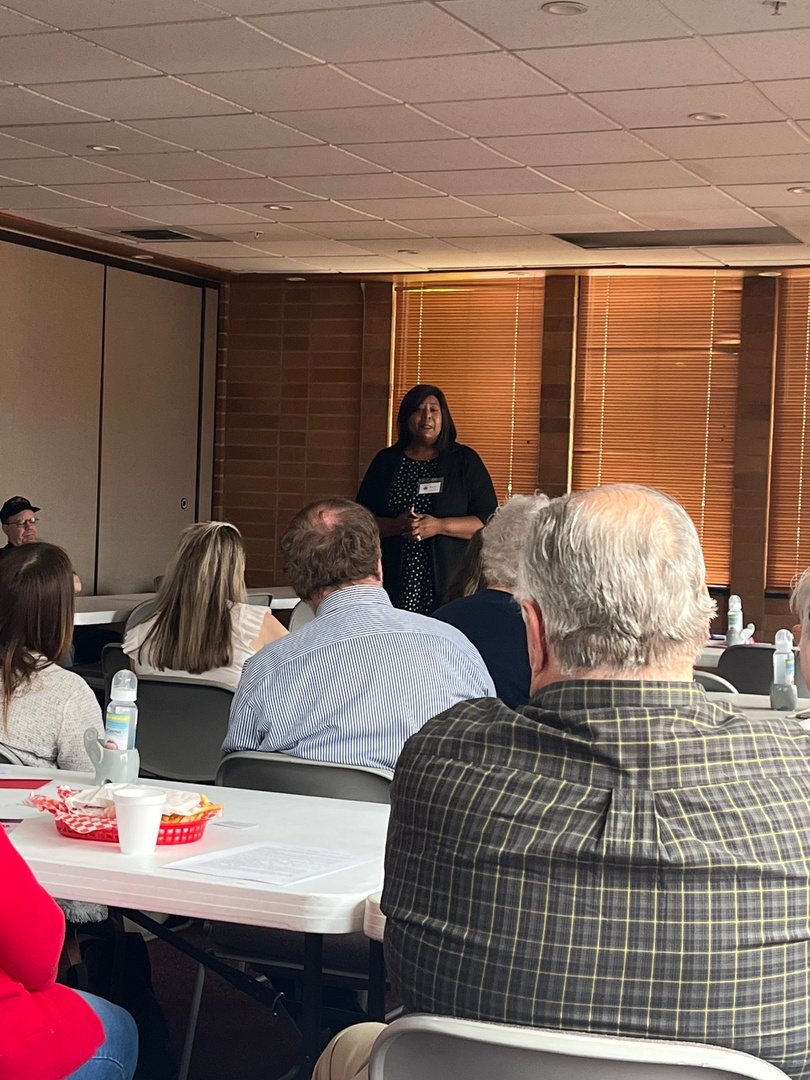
263, 771
713, 683
182, 724
8, 757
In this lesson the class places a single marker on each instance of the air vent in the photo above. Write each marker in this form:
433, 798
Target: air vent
679, 238
154, 234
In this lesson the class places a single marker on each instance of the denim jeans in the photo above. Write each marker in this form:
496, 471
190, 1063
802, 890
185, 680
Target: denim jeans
117, 1056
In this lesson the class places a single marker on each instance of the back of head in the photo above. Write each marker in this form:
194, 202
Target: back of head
619, 577
36, 612
204, 578
329, 544
503, 536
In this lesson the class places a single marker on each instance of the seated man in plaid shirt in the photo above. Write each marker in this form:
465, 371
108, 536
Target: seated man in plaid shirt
620, 855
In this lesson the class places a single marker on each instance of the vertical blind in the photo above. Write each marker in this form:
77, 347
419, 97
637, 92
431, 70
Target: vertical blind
788, 532
655, 392
480, 342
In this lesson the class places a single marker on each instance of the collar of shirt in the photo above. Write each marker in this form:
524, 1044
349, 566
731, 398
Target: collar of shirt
586, 695
350, 597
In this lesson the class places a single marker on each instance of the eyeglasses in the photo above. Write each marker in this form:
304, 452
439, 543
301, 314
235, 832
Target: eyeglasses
22, 524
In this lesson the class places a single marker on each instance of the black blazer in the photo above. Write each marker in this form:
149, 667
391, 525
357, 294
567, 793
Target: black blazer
467, 490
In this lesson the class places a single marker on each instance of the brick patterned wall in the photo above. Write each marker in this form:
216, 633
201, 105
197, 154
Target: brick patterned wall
302, 402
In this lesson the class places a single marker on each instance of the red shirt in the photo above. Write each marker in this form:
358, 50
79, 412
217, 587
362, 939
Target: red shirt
46, 1030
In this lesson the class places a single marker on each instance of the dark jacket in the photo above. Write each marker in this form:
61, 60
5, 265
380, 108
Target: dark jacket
467, 491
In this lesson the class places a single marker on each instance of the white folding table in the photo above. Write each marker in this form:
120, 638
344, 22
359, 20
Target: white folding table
108, 610
758, 706
331, 904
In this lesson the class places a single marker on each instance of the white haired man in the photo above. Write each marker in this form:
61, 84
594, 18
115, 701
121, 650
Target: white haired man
621, 855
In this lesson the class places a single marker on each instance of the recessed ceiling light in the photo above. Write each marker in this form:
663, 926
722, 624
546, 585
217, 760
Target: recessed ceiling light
565, 7
406, 251
296, 279
276, 206
101, 149
769, 273
706, 116
518, 273
799, 190
143, 258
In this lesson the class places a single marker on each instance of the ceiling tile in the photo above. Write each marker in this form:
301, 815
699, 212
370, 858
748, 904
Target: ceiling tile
361, 230
272, 7
453, 227
365, 186
433, 154
766, 195
426, 248
776, 54
626, 66
659, 257
791, 95
224, 132
134, 99
722, 16
396, 31
518, 116
307, 247
519, 24
184, 165
299, 161
79, 138
689, 198
20, 106
62, 170
374, 264
522, 206
758, 256
222, 45
573, 149
200, 249
79, 14
405, 209
323, 210
261, 230
727, 140
787, 168
24, 198
91, 218
11, 148
319, 87
201, 215
671, 106
640, 174
790, 216
702, 219
377, 123
12, 23
43, 58
484, 181
126, 195
599, 221
254, 189
453, 78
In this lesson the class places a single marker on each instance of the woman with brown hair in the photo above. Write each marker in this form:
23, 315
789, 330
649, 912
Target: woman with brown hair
45, 709
201, 625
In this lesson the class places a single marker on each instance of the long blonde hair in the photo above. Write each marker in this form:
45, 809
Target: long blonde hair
192, 614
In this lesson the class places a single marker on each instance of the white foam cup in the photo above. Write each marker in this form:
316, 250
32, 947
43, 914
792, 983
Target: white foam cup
138, 811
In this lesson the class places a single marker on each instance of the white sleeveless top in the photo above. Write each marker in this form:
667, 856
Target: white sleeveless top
246, 621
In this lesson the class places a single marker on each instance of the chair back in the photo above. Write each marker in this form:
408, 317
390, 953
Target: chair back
8, 756
748, 667
441, 1048
265, 771
712, 682
113, 658
302, 613
260, 599
139, 613
182, 724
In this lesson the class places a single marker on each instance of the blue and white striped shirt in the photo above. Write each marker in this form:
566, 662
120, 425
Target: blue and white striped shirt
352, 685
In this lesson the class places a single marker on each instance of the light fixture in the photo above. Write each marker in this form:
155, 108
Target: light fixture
769, 273
406, 251
565, 7
296, 279
143, 258
518, 273
707, 116
276, 206
799, 190
101, 149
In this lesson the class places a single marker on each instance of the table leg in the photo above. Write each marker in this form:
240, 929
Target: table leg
376, 981
311, 1004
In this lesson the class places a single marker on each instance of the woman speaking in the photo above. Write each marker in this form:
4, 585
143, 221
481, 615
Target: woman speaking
429, 495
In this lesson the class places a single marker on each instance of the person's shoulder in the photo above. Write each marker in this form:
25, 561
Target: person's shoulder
470, 720
67, 684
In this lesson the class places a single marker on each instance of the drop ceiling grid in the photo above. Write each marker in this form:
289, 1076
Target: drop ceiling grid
463, 124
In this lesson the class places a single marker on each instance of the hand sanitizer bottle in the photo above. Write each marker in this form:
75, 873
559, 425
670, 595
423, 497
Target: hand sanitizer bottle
735, 621
121, 719
783, 688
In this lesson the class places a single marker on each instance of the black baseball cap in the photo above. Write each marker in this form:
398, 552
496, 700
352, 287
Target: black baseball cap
15, 505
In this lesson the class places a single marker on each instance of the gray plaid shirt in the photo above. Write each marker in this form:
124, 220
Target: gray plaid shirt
616, 857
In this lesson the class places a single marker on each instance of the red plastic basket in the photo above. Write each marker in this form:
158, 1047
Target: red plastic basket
171, 832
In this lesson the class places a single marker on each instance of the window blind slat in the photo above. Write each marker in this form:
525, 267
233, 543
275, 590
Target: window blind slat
481, 343
655, 392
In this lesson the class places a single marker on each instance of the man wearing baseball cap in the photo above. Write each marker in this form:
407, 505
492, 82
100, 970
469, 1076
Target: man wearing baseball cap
19, 523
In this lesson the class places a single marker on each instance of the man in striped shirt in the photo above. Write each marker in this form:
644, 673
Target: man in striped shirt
620, 855
353, 684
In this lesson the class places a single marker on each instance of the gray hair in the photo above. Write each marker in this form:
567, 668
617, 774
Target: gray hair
503, 536
618, 574
800, 600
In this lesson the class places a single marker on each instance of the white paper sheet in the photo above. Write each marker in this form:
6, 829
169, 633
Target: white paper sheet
274, 864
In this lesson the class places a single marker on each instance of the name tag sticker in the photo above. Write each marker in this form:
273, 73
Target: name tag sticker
432, 486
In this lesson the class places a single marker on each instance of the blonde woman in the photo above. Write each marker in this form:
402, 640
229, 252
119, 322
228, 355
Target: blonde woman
201, 626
